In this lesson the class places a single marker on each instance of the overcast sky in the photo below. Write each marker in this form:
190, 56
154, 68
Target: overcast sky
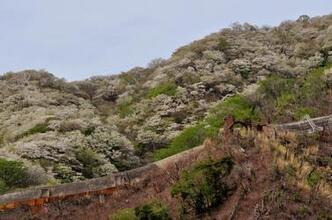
76, 39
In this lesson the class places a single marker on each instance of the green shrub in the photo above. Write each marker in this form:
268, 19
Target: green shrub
303, 111
90, 161
124, 108
89, 130
223, 44
285, 101
274, 86
3, 187
202, 187
167, 88
38, 128
64, 173
12, 173
188, 138
195, 135
154, 210
283, 98
313, 178
290, 170
128, 78
2, 137
313, 85
238, 106
124, 214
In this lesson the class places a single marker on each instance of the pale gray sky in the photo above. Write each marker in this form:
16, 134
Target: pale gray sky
76, 39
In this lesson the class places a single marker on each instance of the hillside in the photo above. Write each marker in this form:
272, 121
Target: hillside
53, 131
251, 174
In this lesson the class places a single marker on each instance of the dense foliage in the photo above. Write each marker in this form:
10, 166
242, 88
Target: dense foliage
124, 214
153, 210
284, 99
167, 88
89, 160
203, 187
238, 106
38, 128
13, 174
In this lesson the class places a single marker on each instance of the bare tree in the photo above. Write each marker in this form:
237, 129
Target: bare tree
156, 63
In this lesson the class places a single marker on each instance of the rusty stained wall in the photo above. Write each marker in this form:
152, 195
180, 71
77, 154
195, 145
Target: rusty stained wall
40, 195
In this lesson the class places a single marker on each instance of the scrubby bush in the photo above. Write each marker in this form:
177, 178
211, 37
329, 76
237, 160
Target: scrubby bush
313, 178
13, 174
124, 214
64, 173
35, 175
223, 44
128, 78
67, 126
275, 86
282, 99
313, 86
238, 106
274, 95
203, 187
124, 108
189, 137
38, 128
156, 63
154, 210
89, 130
3, 187
285, 100
301, 112
90, 161
2, 137
135, 76
88, 88
188, 79
167, 88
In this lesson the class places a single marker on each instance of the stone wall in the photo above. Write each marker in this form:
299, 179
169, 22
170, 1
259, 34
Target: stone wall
38, 196
103, 185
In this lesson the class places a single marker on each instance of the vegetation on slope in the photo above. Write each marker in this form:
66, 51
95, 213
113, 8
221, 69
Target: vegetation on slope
287, 99
277, 100
126, 119
153, 210
202, 187
14, 174
272, 178
238, 106
167, 88
38, 128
